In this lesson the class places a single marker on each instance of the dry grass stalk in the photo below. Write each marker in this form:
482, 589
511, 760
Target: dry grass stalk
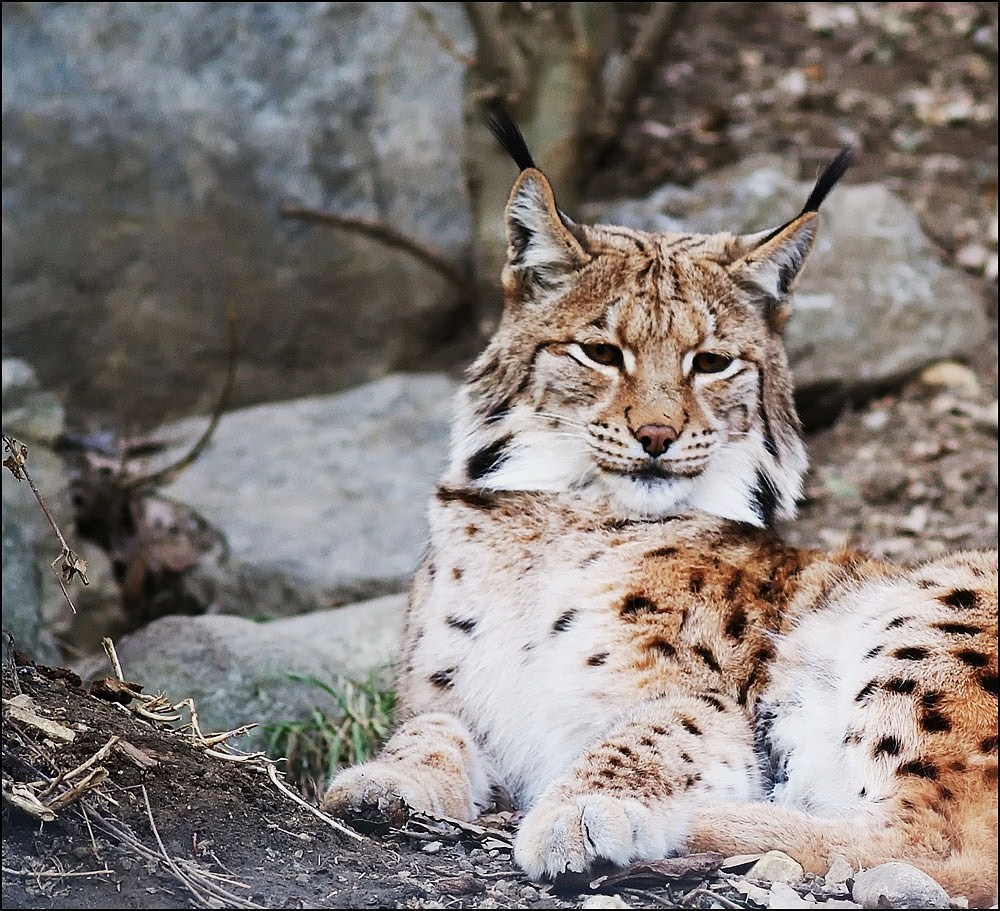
69, 562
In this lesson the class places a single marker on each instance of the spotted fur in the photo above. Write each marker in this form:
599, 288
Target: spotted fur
605, 625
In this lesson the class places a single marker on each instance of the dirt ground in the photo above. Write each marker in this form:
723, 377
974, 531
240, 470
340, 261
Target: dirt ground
907, 476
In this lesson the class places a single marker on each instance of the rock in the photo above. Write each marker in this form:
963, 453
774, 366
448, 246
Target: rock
29, 412
34, 417
875, 302
237, 671
22, 592
951, 375
840, 870
147, 154
898, 885
593, 902
776, 867
322, 500
784, 896
754, 892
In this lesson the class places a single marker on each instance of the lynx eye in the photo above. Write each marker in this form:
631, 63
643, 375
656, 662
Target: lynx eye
603, 353
710, 362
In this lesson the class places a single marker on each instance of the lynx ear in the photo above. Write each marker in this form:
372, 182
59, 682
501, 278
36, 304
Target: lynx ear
773, 265
774, 259
539, 237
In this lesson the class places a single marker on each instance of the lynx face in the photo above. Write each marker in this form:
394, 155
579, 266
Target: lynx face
643, 369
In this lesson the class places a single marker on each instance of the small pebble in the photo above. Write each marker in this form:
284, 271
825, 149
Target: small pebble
950, 375
432, 847
840, 870
898, 885
604, 901
776, 867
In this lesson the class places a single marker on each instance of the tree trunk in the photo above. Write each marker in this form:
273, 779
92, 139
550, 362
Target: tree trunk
543, 62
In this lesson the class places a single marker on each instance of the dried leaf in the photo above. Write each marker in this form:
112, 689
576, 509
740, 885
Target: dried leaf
15, 462
140, 757
113, 690
72, 565
21, 797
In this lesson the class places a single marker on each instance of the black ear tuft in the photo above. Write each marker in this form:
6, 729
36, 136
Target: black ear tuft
502, 126
831, 174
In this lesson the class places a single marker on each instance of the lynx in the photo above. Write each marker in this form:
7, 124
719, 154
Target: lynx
606, 627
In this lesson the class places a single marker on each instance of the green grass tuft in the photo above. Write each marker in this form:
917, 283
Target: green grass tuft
328, 739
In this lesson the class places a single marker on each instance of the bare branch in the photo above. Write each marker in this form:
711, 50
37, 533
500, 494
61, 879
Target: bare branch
167, 474
386, 235
447, 45
492, 58
319, 814
499, 64
620, 97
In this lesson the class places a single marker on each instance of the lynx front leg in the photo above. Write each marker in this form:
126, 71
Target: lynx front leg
431, 764
630, 796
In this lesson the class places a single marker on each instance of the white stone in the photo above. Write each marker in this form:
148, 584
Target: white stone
840, 870
594, 902
776, 867
784, 896
898, 885
950, 375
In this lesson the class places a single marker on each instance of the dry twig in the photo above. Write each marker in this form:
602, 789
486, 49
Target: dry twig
164, 475
70, 563
447, 45
202, 884
387, 235
55, 874
319, 814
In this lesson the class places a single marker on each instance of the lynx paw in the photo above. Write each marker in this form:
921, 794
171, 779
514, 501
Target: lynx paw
570, 834
375, 791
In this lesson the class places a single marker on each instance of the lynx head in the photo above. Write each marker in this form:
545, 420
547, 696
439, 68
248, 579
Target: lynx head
644, 369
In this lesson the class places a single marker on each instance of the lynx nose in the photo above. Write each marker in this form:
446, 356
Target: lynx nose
655, 438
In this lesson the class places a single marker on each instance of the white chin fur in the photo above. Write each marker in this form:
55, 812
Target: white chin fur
543, 459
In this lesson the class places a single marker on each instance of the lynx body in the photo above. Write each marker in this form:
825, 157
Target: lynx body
606, 627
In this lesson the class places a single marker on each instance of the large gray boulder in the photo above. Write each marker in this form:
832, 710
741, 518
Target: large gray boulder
321, 500
875, 302
147, 149
240, 672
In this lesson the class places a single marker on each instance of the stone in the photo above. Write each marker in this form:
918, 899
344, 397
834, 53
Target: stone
35, 417
776, 867
30, 413
784, 896
148, 151
951, 375
897, 885
840, 870
875, 302
322, 500
593, 902
238, 671
22, 592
